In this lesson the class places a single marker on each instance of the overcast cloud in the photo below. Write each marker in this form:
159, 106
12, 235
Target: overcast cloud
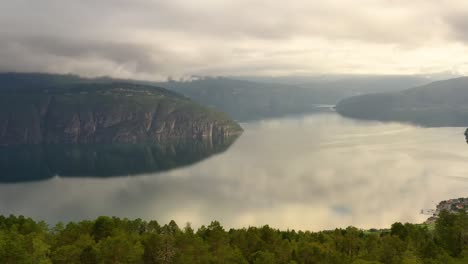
154, 39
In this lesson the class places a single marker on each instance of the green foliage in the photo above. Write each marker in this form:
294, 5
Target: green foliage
120, 248
398, 229
264, 257
102, 228
392, 250
452, 232
250, 100
441, 103
47, 111
116, 240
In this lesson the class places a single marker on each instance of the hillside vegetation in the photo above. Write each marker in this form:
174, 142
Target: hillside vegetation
245, 100
56, 109
441, 103
260, 98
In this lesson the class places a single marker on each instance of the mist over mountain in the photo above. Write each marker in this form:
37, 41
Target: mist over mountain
246, 100
441, 103
387, 82
263, 97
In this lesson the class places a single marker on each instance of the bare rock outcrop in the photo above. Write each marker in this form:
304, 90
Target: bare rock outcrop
107, 113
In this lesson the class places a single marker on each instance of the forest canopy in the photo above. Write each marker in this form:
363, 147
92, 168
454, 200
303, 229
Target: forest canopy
116, 240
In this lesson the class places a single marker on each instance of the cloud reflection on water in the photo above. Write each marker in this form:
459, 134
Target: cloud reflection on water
315, 172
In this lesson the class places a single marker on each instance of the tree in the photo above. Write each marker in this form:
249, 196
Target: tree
115, 240
392, 250
311, 253
158, 248
41, 251
66, 254
72, 252
352, 242
264, 257
89, 255
217, 239
451, 232
190, 248
13, 249
399, 230
103, 227
120, 248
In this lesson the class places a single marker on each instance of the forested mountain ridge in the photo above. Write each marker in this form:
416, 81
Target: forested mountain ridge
246, 100
56, 109
115, 240
258, 98
441, 103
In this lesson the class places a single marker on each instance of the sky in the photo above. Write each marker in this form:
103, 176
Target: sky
157, 39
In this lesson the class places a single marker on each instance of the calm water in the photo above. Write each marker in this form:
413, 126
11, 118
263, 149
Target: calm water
100, 161
315, 172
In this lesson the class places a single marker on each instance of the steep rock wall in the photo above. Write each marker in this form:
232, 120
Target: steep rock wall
110, 116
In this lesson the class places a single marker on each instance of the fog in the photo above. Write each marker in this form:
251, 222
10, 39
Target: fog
313, 172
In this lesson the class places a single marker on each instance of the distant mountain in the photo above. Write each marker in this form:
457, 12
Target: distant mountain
249, 100
356, 82
245, 100
441, 103
67, 109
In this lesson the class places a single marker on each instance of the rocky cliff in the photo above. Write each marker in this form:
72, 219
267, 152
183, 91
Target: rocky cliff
105, 113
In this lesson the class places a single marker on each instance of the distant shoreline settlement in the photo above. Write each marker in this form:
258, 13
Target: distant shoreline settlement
452, 206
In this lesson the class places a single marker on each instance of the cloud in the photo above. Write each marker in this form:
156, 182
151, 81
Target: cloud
57, 52
160, 38
458, 23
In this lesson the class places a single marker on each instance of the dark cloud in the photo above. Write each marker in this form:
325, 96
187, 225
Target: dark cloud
32, 53
458, 23
120, 53
143, 38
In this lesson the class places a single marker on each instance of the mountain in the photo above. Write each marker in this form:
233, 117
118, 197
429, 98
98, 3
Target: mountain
351, 84
386, 81
245, 100
441, 103
67, 109
256, 98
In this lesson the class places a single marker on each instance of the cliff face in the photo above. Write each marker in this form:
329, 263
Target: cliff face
106, 113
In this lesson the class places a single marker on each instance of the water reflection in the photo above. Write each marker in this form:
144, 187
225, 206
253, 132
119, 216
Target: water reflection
315, 172
31, 163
